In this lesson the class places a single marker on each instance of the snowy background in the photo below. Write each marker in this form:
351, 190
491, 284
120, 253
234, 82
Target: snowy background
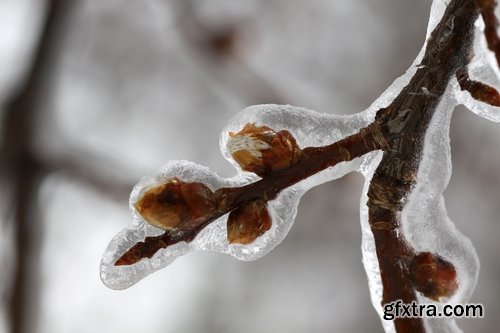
133, 84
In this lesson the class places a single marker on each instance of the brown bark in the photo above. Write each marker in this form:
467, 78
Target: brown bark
313, 160
404, 123
487, 8
399, 131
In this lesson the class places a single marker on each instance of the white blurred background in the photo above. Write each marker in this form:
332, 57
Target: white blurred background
113, 89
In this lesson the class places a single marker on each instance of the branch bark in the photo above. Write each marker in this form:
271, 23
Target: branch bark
399, 131
313, 160
404, 123
487, 8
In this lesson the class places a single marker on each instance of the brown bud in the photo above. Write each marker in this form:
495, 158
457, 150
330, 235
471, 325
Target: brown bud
433, 276
261, 150
175, 203
248, 222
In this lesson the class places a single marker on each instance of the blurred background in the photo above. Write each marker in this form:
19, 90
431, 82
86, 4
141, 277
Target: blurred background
95, 94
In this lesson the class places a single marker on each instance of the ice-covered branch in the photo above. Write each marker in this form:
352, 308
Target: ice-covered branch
487, 8
478, 90
312, 161
411, 250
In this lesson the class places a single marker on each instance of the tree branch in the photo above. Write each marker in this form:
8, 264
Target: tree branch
478, 90
19, 163
313, 160
399, 131
405, 122
487, 8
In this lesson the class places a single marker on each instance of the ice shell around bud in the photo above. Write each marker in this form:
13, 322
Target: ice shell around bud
248, 222
309, 128
306, 127
433, 276
261, 150
170, 205
212, 238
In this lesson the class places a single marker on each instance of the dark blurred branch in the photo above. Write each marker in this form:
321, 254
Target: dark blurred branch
219, 44
83, 166
20, 166
24, 167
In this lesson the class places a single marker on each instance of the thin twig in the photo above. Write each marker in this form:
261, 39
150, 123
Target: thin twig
487, 8
313, 160
478, 90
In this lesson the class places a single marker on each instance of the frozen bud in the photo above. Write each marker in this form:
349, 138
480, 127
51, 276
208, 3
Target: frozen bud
261, 150
170, 205
248, 222
433, 276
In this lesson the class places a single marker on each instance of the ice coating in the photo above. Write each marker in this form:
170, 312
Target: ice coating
426, 224
425, 221
310, 128
483, 68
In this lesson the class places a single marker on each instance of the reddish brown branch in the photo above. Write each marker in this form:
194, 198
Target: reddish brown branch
405, 123
487, 8
313, 160
399, 130
478, 90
